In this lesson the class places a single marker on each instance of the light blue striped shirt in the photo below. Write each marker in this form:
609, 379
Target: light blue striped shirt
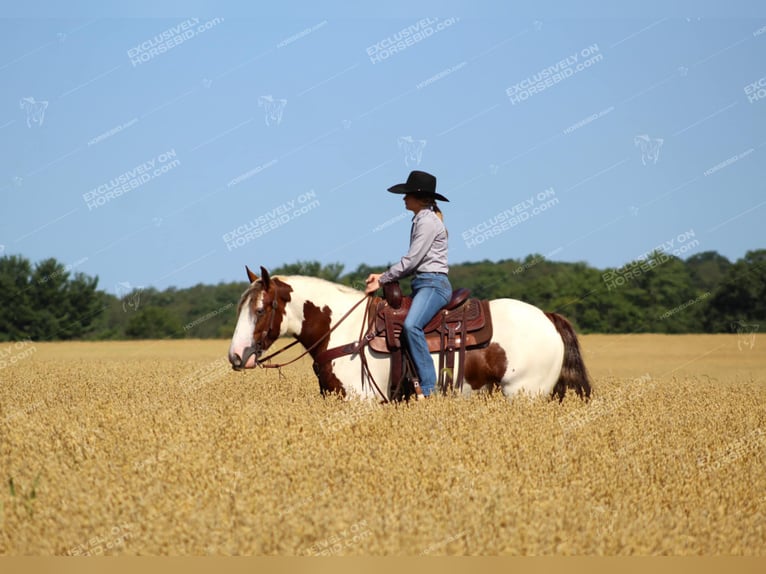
428, 249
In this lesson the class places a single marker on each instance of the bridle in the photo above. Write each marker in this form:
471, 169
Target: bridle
269, 336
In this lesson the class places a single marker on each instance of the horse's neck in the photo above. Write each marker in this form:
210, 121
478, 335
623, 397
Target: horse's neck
317, 299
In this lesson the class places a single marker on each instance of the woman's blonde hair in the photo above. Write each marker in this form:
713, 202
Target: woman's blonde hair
436, 210
431, 204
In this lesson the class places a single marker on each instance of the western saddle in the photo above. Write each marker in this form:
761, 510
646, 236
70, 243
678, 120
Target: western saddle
463, 323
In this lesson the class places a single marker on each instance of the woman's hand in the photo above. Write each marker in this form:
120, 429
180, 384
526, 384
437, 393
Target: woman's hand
373, 283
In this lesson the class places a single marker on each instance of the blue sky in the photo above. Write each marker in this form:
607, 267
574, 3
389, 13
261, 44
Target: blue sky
171, 145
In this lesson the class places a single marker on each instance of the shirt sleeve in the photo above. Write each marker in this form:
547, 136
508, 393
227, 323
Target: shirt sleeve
421, 238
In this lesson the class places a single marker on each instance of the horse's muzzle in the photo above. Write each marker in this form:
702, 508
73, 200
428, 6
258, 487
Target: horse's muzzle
240, 363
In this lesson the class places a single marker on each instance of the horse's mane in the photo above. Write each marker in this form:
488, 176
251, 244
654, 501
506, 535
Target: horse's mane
307, 279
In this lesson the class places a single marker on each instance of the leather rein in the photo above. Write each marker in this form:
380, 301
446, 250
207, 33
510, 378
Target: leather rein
325, 356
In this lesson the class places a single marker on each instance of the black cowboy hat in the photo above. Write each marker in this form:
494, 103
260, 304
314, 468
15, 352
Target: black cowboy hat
419, 183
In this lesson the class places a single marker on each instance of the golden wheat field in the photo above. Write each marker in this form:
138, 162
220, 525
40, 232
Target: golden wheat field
158, 448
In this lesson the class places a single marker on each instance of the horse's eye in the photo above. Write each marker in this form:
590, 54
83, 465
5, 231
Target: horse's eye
259, 312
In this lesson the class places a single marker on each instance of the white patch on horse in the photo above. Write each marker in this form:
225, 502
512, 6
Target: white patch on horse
243, 332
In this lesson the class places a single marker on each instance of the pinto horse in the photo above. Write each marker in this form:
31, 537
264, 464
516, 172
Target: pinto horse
530, 350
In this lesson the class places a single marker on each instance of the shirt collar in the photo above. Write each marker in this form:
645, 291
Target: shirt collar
425, 209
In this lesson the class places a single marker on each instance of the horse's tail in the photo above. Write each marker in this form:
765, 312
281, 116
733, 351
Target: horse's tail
573, 374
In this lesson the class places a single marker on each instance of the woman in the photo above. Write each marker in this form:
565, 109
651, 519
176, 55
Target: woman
427, 261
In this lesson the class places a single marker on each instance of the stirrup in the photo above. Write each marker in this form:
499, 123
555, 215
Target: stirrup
418, 389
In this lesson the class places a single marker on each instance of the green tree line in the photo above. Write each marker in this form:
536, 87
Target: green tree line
706, 293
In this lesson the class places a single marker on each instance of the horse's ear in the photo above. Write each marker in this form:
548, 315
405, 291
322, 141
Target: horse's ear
265, 278
250, 275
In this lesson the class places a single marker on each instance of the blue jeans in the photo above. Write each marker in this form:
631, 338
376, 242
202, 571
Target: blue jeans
430, 292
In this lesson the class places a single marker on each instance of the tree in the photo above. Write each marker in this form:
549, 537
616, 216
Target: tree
154, 323
16, 311
331, 271
44, 303
741, 295
707, 269
661, 294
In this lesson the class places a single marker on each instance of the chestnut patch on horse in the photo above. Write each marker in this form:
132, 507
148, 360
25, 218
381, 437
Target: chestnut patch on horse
484, 366
274, 296
316, 322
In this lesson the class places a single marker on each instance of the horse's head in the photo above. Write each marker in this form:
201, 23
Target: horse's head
259, 319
